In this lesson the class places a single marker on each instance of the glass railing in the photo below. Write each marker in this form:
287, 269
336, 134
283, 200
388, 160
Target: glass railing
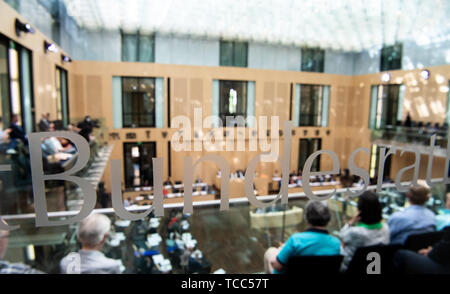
206, 241
412, 135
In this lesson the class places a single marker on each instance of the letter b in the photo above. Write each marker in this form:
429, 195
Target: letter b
39, 178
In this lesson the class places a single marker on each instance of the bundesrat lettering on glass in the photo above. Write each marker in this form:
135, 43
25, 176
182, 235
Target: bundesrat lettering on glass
39, 178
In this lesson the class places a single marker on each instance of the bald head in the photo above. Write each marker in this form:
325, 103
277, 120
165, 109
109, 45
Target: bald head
418, 195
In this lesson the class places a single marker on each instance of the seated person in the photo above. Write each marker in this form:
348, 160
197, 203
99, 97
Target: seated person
7, 144
364, 229
314, 241
414, 219
17, 132
11, 268
443, 218
92, 233
53, 145
431, 260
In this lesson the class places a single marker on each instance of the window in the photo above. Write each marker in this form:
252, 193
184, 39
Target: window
138, 102
233, 101
16, 94
375, 163
312, 102
62, 101
386, 106
233, 53
138, 163
306, 148
391, 57
313, 59
138, 48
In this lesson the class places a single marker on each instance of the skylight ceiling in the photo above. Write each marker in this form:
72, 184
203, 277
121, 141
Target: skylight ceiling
349, 25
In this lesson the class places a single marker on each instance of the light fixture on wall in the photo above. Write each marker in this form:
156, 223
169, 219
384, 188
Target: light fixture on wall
425, 74
65, 58
22, 27
386, 77
50, 47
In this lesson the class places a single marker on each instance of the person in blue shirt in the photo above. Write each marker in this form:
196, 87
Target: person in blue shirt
415, 219
314, 241
443, 217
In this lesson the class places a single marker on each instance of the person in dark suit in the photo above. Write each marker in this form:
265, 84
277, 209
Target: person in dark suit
44, 123
432, 260
17, 132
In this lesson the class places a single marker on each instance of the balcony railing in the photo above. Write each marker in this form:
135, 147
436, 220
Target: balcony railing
412, 135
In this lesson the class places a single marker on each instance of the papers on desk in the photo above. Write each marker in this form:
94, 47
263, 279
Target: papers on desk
178, 186
220, 271
197, 254
292, 185
116, 239
187, 239
161, 263
147, 188
185, 225
276, 179
167, 186
139, 198
154, 240
154, 222
122, 223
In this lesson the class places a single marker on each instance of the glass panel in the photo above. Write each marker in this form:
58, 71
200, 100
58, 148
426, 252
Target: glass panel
251, 102
310, 106
146, 49
306, 148
117, 102
390, 97
4, 85
233, 101
15, 84
391, 57
138, 164
313, 60
129, 48
240, 54
138, 102
326, 105
26, 76
64, 99
215, 101
373, 107
226, 53
59, 114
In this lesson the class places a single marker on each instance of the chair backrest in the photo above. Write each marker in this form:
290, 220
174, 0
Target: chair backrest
313, 265
416, 242
362, 259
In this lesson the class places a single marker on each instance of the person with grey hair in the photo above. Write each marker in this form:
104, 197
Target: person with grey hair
92, 233
313, 242
7, 267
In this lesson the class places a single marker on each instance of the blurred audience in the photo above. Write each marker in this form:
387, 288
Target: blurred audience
92, 234
415, 219
364, 229
17, 131
314, 241
44, 123
431, 260
11, 268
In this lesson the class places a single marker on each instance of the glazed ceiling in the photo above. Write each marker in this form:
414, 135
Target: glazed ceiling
349, 25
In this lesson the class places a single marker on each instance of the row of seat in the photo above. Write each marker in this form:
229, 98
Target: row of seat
330, 265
